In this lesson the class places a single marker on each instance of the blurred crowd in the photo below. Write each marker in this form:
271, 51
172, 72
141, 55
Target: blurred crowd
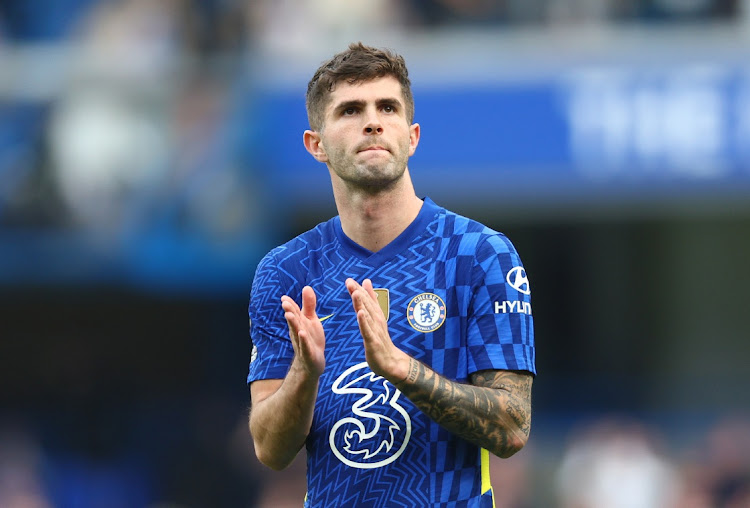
134, 113
211, 25
627, 464
614, 462
107, 125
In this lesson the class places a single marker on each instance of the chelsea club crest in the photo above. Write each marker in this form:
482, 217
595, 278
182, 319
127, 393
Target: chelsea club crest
426, 312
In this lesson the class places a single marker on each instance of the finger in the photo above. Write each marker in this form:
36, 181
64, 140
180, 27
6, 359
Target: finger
376, 319
309, 301
374, 304
291, 314
367, 285
359, 299
289, 305
368, 300
291, 321
365, 325
352, 285
290, 311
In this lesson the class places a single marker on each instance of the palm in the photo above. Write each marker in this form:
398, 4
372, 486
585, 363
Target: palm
306, 332
315, 339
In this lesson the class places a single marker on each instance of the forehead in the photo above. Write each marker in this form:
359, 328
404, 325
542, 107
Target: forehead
371, 90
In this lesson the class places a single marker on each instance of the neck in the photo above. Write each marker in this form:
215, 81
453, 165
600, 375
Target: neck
373, 220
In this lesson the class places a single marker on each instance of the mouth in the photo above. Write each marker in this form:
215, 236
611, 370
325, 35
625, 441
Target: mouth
373, 149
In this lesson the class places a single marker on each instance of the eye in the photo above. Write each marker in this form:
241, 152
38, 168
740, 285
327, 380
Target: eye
388, 108
349, 111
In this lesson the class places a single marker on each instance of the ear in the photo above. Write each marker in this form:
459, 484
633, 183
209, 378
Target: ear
314, 145
414, 132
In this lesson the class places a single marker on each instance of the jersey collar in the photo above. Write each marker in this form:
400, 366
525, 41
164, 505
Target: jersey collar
424, 217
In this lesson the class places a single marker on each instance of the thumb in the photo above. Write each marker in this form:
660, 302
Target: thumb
309, 301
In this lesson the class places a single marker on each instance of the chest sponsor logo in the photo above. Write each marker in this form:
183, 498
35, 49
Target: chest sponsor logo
378, 429
426, 312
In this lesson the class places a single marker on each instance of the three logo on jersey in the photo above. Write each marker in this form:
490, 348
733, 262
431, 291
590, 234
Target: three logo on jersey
378, 428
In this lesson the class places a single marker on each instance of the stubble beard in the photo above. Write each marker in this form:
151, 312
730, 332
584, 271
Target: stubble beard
371, 177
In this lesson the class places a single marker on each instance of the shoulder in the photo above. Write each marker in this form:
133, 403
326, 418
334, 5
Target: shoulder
299, 247
294, 255
474, 237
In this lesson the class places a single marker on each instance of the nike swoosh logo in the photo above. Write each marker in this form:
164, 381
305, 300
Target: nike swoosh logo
325, 317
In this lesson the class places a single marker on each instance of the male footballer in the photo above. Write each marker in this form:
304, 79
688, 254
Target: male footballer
395, 342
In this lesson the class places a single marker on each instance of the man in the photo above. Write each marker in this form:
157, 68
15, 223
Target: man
394, 341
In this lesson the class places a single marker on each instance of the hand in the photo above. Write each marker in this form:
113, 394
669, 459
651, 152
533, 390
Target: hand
306, 332
383, 357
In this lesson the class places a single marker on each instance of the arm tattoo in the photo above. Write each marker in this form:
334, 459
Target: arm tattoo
493, 412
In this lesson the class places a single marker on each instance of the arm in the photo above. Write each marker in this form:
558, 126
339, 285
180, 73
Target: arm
494, 412
282, 410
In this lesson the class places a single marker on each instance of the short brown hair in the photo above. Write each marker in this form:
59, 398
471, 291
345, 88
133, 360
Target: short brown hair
356, 64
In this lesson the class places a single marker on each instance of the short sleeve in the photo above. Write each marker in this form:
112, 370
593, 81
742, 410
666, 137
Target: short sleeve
272, 351
500, 325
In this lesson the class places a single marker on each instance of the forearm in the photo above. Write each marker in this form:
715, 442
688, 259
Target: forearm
281, 422
495, 417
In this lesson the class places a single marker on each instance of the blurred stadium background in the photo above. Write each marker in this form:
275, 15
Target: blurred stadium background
150, 153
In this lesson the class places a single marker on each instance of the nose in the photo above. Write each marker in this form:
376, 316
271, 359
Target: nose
373, 124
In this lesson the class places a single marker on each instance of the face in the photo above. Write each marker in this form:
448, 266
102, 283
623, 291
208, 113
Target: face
366, 139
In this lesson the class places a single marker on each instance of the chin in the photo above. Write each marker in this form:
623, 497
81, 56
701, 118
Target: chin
378, 185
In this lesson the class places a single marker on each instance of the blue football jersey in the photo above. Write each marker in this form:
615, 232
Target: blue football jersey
456, 297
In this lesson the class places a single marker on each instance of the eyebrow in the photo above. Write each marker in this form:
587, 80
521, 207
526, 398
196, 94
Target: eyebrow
356, 103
